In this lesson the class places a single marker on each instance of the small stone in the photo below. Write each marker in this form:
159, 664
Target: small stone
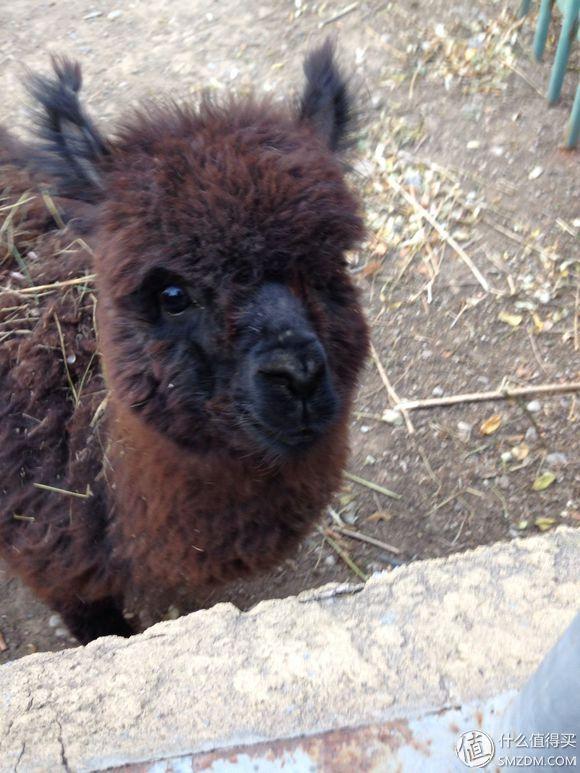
114, 15
370, 459
350, 518
92, 15
71, 359
506, 457
503, 482
464, 430
534, 406
54, 621
531, 435
173, 613
393, 417
330, 560
543, 296
535, 173
437, 391
473, 144
413, 178
364, 429
62, 633
556, 459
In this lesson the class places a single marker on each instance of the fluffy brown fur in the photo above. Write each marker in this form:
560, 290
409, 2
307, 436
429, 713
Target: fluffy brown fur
176, 489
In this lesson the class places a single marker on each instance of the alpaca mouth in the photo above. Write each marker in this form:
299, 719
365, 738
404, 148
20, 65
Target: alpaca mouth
280, 439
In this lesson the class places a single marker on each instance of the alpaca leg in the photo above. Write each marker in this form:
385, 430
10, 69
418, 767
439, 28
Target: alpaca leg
91, 621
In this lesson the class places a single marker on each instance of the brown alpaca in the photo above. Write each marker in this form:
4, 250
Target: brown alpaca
230, 337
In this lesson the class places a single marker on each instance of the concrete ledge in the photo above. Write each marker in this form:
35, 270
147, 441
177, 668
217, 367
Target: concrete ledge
430, 635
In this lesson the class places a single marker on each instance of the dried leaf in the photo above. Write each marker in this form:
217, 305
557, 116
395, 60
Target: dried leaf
491, 425
520, 452
371, 268
538, 324
543, 481
544, 524
510, 319
380, 515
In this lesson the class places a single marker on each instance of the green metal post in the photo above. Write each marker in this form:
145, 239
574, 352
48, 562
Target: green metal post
574, 125
569, 27
542, 29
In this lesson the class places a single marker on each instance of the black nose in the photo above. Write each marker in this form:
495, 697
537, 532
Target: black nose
299, 370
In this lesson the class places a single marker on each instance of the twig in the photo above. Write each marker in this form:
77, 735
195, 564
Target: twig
66, 492
518, 239
443, 233
500, 394
345, 557
339, 15
64, 358
79, 280
576, 319
390, 390
536, 352
373, 486
365, 538
523, 76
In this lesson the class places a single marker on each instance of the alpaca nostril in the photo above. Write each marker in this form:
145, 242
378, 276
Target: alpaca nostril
300, 377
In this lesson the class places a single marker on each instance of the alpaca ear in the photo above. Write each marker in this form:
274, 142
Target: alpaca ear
72, 149
326, 102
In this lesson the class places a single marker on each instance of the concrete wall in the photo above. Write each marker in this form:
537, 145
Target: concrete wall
429, 635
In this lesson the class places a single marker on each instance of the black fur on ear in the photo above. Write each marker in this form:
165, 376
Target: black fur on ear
72, 149
326, 102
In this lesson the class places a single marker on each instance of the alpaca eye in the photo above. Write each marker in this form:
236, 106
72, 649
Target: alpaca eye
174, 300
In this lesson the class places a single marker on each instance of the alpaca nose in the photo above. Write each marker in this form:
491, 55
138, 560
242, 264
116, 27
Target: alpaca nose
298, 370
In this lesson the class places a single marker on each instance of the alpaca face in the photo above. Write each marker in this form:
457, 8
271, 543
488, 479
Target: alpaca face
232, 326
227, 318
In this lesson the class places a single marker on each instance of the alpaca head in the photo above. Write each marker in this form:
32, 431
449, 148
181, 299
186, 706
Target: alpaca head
227, 317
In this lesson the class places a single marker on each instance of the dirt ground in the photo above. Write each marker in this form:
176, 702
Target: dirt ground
452, 120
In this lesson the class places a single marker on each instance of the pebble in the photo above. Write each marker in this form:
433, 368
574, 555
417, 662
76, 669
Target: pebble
92, 15
464, 430
534, 406
370, 460
114, 15
503, 482
54, 621
330, 560
364, 429
413, 178
62, 633
531, 435
437, 391
556, 459
393, 417
506, 456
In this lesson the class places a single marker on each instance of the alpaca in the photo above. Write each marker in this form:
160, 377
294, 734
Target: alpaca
207, 433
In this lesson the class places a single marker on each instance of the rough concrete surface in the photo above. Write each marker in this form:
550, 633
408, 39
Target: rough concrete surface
432, 634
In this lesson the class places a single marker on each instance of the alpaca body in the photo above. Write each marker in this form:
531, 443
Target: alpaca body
201, 433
